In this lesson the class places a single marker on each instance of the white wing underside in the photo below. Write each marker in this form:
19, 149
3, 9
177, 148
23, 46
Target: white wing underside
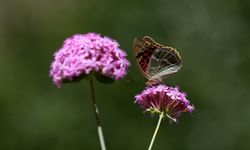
163, 63
166, 71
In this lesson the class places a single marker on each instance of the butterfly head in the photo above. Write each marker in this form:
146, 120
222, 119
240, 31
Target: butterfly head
153, 81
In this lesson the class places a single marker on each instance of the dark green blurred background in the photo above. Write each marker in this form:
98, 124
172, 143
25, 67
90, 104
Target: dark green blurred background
212, 37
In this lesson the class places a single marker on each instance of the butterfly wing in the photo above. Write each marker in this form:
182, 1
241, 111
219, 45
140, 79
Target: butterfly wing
144, 49
163, 62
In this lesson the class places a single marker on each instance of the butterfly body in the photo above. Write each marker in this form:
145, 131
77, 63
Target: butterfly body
156, 61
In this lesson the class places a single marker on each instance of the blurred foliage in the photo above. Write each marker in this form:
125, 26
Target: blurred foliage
211, 36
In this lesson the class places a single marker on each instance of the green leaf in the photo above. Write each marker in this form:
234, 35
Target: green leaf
103, 79
75, 79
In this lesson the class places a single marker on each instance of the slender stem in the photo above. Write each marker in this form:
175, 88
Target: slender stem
97, 116
156, 130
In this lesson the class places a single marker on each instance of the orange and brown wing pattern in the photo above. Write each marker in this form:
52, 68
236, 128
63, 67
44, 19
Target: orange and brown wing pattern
144, 49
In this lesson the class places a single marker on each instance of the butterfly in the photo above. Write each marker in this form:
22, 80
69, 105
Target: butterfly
156, 61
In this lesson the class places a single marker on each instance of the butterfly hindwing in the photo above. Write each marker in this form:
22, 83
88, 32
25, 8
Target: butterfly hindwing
164, 61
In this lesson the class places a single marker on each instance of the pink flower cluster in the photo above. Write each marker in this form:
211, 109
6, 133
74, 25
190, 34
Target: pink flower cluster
161, 98
82, 54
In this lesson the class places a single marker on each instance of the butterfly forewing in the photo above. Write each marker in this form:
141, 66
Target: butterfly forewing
144, 49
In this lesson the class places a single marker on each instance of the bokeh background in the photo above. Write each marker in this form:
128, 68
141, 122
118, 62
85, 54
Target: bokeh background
211, 36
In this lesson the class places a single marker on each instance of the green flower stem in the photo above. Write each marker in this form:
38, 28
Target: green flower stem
97, 116
156, 130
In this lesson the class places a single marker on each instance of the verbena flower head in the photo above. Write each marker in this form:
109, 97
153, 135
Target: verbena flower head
82, 54
164, 99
